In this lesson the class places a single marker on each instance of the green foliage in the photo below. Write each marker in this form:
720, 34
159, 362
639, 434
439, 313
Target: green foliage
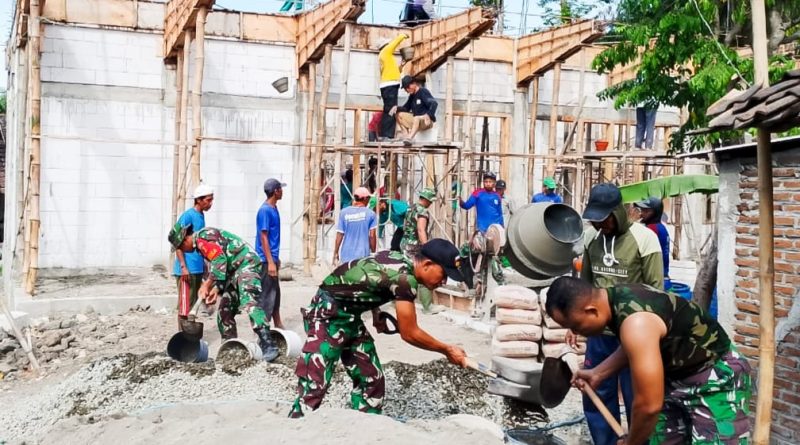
682, 63
3, 102
558, 12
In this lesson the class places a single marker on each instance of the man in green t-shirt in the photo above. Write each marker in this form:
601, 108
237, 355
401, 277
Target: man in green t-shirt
690, 384
335, 330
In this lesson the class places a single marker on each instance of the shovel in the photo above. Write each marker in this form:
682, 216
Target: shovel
569, 360
480, 367
191, 329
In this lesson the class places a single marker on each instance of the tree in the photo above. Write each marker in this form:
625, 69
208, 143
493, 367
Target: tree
558, 12
686, 57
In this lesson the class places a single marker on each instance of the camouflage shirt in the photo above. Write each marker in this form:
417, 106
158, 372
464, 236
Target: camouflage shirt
694, 340
226, 253
369, 282
410, 225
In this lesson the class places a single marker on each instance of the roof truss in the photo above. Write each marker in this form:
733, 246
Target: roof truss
537, 53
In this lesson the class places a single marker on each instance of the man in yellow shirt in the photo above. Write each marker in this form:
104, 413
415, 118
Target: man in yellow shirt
390, 86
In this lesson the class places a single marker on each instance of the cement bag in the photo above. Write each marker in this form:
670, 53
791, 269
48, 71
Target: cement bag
556, 350
512, 332
512, 296
555, 335
515, 349
549, 322
518, 316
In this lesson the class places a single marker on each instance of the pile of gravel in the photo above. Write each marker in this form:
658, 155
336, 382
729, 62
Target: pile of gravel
132, 383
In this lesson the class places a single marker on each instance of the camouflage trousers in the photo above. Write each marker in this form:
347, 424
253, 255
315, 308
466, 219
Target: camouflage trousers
242, 295
334, 335
710, 407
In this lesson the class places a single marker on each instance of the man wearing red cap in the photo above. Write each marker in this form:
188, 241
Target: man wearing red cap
356, 230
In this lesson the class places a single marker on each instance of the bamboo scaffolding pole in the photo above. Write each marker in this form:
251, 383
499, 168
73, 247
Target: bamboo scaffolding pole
35, 85
183, 125
341, 125
532, 141
308, 197
469, 136
766, 242
24, 231
448, 102
554, 116
316, 216
197, 93
357, 141
176, 164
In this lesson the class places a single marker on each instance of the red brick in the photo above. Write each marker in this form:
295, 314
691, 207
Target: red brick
783, 243
784, 221
781, 312
746, 241
747, 196
782, 384
743, 295
785, 290
784, 172
790, 397
748, 330
791, 185
783, 196
791, 208
750, 173
746, 262
745, 273
748, 351
747, 307
783, 266
748, 184
791, 256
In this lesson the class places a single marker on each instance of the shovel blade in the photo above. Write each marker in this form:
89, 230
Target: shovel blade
192, 329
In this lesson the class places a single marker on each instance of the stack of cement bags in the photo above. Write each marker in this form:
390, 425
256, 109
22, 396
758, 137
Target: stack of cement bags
554, 336
520, 322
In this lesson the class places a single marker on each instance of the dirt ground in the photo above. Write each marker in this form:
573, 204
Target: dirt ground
80, 396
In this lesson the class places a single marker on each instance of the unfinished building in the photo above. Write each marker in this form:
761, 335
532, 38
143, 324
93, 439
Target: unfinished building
119, 107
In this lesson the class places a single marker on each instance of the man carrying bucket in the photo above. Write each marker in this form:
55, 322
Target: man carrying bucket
335, 330
235, 267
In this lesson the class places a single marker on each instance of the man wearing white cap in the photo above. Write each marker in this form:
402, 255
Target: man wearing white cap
189, 266
356, 231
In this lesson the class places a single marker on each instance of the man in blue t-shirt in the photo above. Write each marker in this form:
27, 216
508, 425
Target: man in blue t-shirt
268, 244
548, 192
189, 266
488, 204
356, 230
651, 211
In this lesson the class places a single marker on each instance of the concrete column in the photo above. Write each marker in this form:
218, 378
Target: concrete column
518, 180
727, 216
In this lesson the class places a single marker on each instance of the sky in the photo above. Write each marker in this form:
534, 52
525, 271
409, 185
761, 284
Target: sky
385, 12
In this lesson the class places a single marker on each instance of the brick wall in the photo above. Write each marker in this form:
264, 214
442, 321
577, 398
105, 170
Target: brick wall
786, 404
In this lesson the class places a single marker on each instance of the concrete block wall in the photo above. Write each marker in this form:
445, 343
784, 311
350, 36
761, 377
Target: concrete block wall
786, 182
247, 69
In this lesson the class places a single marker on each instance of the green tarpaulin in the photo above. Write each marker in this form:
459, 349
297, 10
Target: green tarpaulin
669, 187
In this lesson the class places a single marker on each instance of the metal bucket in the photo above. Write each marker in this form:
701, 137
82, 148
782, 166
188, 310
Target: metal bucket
289, 343
282, 84
543, 238
407, 53
187, 349
544, 384
251, 347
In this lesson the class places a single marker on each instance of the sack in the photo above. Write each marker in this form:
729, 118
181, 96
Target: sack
549, 322
512, 296
555, 350
515, 349
512, 332
518, 316
555, 335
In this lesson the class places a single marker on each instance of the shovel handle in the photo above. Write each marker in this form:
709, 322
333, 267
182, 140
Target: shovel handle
603, 410
483, 369
196, 308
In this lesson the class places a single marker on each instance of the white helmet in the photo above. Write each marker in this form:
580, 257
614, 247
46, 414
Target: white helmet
383, 42
202, 190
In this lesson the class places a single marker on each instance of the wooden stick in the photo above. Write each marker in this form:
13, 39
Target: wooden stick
571, 359
448, 102
176, 164
554, 117
532, 144
357, 130
308, 198
197, 92
766, 254
36, 154
340, 124
184, 123
317, 165
26, 345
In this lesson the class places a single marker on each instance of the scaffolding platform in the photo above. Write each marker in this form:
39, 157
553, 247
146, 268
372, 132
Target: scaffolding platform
415, 145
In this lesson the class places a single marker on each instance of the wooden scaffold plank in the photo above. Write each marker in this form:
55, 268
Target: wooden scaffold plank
323, 25
538, 52
179, 16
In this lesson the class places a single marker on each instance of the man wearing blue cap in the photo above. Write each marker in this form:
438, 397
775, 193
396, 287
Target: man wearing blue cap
616, 252
268, 245
487, 202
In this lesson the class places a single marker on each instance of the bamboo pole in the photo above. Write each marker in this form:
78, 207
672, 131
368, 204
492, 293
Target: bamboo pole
341, 124
34, 42
468, 139
308, 200
316, 186
448, 102
532, 137
766, 256
176, 155
184, 122
357, 142
197, 92
551, 149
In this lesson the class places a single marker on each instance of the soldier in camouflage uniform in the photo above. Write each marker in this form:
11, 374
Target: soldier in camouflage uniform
336, 332
664, 339
416, 228
234, 267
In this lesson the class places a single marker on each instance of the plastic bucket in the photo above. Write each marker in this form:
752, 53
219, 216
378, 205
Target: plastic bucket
681, 289
186, 349
289, 343
234, 343
543, 238
282, 84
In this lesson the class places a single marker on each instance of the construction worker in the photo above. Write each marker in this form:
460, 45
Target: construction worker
389, 85
233, 278
419, 111
356, 230
690, 383
651, 210
488, 204
548, 193
397, 216
616, 251
189, 266
335, 330
268, 246
416, 229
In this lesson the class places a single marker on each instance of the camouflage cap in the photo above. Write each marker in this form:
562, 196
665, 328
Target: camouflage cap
428, 193
177, 234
